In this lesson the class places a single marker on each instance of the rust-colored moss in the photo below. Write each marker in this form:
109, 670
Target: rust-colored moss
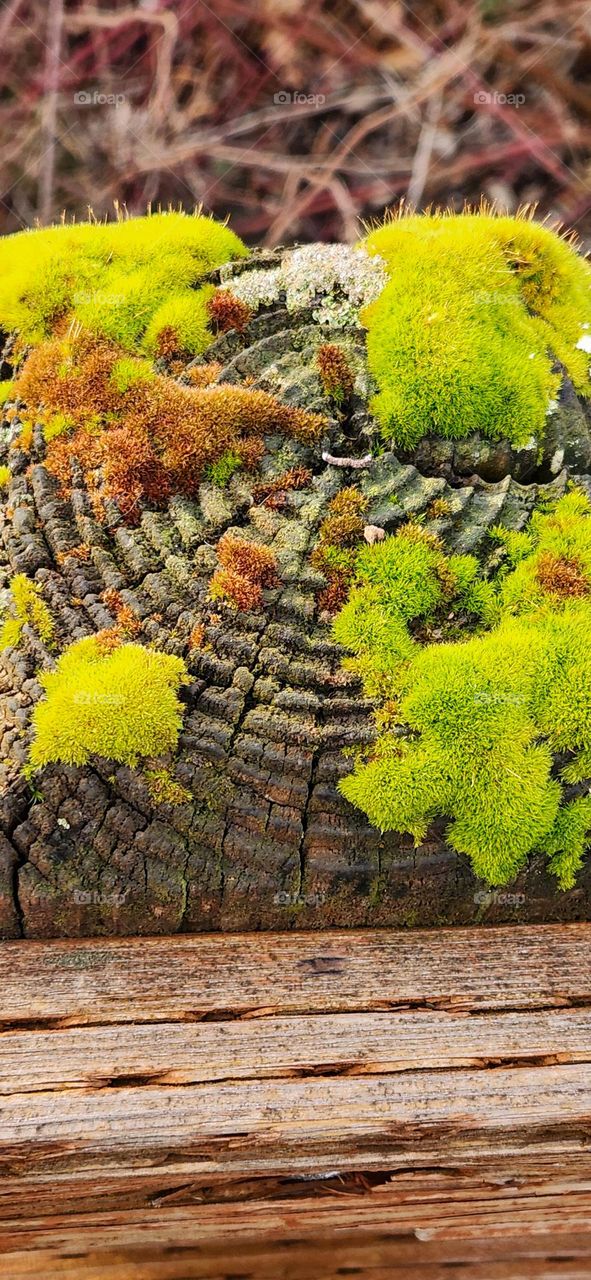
128, 625
202, 375
335, 372
70, 377
132, 471
562, 575
151, 436
335, 552
250, 558
246, 567
108, 639
273, 493
197, 636
228, 312
24, 440
168, 343
79, 552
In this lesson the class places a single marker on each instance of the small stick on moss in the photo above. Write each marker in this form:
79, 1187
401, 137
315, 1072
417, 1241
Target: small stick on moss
347, 462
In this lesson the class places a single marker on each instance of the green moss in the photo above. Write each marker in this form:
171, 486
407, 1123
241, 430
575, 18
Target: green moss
164, 789
113, 278
473, 726
462, 337
121, 704
55, 425
4, 478
220, 473
28, 608
566, 843
182, 322
128, 371
6, 390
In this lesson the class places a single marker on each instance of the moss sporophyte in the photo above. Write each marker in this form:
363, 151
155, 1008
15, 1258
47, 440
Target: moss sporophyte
492, 731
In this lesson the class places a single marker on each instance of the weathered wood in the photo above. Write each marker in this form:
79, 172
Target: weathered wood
307, 1126
365, 1235
287, 1105
351, 1044
255, 975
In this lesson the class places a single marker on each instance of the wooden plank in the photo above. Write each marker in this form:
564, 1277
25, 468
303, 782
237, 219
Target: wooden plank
29, 1194
390, 1103
342, 1044
170, 979
304, 1126
348, 1235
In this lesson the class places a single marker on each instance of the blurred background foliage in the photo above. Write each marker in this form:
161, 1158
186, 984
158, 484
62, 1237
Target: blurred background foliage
295, 117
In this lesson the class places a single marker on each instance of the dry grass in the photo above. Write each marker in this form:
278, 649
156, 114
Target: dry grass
182, 108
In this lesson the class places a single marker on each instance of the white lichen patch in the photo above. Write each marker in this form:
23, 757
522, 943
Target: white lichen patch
334, 280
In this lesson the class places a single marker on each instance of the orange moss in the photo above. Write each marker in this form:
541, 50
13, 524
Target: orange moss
152, 438
273, 493
197, 636
335, 372
562, 575
108, 639
24, 439
202, 375
250, 558
80, 552
128, 625
247, 567
335, 552
72, 378
132, 472
228, 312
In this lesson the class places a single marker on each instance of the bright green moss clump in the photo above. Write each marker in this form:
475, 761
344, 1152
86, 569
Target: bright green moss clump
462, 337
120, 703
129, 281
28, 607
472, 728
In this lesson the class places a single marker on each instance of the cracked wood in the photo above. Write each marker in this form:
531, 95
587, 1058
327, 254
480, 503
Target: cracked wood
194, 1099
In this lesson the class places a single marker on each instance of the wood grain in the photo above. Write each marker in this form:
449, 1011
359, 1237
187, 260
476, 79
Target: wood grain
366, 1235
170, 979
286, 1105
266, 1048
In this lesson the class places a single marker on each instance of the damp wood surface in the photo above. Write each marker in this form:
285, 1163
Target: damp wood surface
301, 1103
